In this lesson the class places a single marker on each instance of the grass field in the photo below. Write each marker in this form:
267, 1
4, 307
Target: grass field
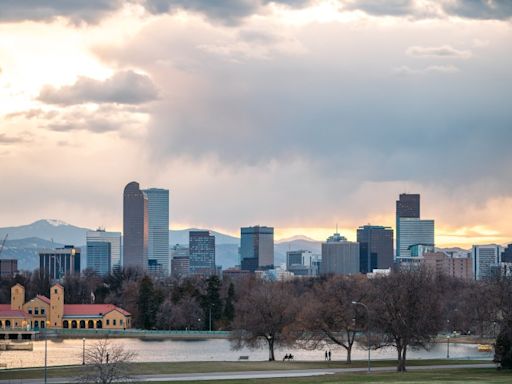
204, 367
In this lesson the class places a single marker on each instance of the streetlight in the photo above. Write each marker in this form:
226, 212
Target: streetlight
83, 351
211, 305
448, 347
368, 329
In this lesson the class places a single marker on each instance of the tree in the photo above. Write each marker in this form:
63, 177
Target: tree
265, 312
183, 315
149, 300
406, 310
211, 303
503, 348
229, 307
106, 363
328, 315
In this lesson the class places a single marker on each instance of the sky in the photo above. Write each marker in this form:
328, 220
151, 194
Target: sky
297, 114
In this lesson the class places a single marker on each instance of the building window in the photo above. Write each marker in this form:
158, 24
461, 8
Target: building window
108, 322
29, 310
114, 321
36, 311
43, 311
121, 322
55, 291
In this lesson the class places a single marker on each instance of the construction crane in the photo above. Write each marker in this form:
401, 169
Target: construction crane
3, 244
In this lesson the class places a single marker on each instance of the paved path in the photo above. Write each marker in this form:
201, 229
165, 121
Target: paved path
257, 374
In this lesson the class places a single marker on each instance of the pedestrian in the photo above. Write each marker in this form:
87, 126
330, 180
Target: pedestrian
329, 355
326, 355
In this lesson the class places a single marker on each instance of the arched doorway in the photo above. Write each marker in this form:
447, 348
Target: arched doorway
82, 323
36, 324
90, 324
7, 323
65, 324
99, 324
73, 324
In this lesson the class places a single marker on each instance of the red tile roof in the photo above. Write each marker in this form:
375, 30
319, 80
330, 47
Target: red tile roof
91, 309
43, 298
6, 311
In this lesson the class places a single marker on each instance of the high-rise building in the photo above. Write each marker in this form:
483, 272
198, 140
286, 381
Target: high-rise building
484, 257
339, 256
135, 227
442, 264
407, 206
97, 258
57, 263
158, 230
8, 267
375, 247
202, 253
256, 248
413, 232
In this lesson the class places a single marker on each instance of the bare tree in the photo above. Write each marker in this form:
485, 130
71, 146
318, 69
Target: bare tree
407, 311
107, 363
328, 315
265, 312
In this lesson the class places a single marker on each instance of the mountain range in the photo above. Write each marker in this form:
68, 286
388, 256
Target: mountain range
24, 242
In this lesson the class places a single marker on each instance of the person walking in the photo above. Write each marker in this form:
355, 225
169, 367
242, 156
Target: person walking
326, 356
329, 355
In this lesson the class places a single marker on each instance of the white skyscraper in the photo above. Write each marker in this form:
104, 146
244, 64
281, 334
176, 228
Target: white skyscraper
158, 230
484, 257
114, 238
414, 231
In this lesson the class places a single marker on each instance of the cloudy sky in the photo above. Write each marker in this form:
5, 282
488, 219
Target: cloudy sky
298, 114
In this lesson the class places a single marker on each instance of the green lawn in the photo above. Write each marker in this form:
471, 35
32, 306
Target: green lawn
222, 366
452, 376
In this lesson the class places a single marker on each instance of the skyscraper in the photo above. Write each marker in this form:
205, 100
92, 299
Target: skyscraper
484, 257
257, 248
407, 205
202, 253
101, 236
135, 227
375, 247
98, 257
339, 256
413, 232
158, 229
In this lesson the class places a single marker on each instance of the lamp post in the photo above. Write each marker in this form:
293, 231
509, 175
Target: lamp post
83, 351
46, 351
368, 330
211, 305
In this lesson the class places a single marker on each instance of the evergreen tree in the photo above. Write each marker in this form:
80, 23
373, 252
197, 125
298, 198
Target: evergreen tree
229, 307
503, 350
211, 302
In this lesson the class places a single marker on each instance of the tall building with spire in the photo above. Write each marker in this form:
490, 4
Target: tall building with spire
135, 227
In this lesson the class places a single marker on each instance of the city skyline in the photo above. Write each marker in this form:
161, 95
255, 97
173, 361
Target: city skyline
298, 115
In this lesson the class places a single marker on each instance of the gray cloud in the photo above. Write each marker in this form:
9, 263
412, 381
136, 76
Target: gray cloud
125, 87
6, 140
444, 51
76, 10
443, 69
378, 7
480, 9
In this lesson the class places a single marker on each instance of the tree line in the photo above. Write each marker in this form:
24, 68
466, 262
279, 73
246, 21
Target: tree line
406, 310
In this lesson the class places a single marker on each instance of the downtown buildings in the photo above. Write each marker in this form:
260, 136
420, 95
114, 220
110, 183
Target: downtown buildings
339, 256
256, 248
103, 251
59, 262
375, 247
146, 229
201, 253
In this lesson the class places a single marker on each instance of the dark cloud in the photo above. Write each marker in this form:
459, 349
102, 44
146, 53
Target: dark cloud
444, 51
125, 87
96, 125
75, 10
480, 9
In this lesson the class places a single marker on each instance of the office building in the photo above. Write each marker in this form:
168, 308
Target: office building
8, 267
256, 248
180, 261
299, 262
96, 257
414, 232
202, 253
158, 230
57, 263
407, 206
375, 247
484, 257
442, 264
339, 256
135, 227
